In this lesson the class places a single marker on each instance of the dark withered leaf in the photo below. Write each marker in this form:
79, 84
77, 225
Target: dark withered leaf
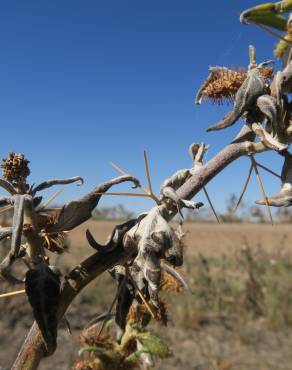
42, 287
94, 244
125, 299
37, 201
115, 239
73, 214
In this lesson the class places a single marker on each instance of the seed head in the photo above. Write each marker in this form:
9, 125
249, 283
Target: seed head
169, 283
55, 242
89, 337
139, 313
15, 168
89, 364
223, 83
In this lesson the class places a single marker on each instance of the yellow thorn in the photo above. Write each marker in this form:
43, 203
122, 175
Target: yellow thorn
47, 240
145, 190
153, 196
10, 294
211, 205
143, 298
127, 194
210, 202
108, 314
267, 169
51, 199
57, 242
6, 209
262, 189
267, 29
123, 172
146, 303
148, 172
119, 169
244, 188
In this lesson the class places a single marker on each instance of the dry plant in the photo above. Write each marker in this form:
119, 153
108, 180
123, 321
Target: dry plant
139, 251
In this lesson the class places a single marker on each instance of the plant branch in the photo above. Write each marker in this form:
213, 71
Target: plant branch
33, 350
242, 145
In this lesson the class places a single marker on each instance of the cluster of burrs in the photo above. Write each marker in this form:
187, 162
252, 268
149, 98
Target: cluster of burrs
15, 168
262, 102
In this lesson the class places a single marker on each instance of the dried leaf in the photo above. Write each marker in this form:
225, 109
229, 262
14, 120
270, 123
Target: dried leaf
76, 212
125, 299
115, 239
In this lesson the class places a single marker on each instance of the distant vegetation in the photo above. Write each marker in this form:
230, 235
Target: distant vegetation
245, 213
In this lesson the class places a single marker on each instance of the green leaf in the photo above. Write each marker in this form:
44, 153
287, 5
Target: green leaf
154, 344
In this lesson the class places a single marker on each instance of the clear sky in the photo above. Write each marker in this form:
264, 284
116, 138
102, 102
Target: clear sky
86, 82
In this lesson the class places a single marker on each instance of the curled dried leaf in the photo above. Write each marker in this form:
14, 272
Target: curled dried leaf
49, 183
76, 212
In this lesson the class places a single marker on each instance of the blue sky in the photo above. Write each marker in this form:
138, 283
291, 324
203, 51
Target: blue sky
83, 83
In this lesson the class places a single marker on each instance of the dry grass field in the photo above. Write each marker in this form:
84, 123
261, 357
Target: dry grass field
206, 238
238, 316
